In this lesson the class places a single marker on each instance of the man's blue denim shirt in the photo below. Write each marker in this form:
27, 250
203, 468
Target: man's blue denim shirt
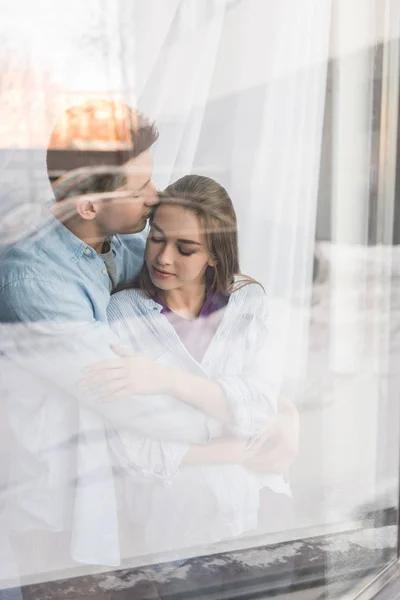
53, 275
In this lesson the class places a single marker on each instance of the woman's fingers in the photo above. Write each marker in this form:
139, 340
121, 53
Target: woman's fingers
115, 395
108, 388
114, 363
105, 376
123, 351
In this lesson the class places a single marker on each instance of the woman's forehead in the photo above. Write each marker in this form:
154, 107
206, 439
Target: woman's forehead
176, 220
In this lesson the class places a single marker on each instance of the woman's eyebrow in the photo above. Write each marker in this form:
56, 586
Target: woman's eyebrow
154, 226
189, 242
180, 241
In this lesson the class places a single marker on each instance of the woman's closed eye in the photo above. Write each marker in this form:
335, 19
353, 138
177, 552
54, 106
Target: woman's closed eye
185, 251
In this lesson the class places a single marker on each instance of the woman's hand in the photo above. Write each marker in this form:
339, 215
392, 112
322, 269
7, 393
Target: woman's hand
273, 451
278, 446
130, 374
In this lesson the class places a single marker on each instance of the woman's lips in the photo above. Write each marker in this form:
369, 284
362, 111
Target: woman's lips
162, 274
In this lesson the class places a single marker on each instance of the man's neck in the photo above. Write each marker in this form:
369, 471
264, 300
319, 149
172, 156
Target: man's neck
186, 301
81, 229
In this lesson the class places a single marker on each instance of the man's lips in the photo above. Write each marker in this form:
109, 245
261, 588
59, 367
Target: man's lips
160, 273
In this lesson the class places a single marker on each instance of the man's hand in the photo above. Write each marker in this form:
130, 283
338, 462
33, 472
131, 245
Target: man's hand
277, 446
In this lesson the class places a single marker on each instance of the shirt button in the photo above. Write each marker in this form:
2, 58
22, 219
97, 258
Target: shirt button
104, 271
87, 250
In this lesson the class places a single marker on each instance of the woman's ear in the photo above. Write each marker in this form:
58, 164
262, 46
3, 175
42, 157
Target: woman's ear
212, 261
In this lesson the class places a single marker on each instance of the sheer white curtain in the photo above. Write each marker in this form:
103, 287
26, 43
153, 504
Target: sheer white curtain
237, 89
241, 98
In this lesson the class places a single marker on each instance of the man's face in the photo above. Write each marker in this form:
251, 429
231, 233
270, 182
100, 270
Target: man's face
129, 210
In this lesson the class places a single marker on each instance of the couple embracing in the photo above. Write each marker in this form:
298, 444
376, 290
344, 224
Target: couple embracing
140, 391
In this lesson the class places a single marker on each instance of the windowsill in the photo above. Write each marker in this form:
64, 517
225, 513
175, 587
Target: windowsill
345, 562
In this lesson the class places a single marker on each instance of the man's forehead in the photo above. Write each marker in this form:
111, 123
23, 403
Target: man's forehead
139, 163
137, 169
138, 172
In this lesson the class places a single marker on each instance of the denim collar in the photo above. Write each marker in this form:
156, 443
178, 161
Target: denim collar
72, 244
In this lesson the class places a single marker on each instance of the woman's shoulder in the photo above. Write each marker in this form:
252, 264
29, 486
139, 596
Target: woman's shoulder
247, 287
249, 295
130, 301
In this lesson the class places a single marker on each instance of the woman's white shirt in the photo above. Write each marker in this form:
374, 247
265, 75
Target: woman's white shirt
237, 358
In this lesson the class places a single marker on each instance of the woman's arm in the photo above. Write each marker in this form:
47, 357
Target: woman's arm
163, 460
281, 443
252, 394
221, 451
204, 394
150, 457
246, 402
274, 451
137, 374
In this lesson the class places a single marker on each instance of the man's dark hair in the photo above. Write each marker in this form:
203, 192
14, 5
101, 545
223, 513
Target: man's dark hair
142, 137
89, 181
135, 133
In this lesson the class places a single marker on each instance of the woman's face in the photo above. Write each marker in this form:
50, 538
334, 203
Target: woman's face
176, 251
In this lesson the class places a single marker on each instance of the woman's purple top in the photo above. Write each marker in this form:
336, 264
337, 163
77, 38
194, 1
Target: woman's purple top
196, 334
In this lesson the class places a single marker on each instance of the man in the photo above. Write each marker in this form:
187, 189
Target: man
54, 291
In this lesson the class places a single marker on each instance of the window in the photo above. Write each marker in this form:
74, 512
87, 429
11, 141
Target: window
293, 109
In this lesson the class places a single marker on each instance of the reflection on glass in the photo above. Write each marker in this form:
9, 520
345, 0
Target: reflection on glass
292, 109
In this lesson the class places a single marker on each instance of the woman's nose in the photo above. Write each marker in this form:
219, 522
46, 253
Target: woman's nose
164, 257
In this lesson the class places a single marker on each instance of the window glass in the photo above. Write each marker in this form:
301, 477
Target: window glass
229, 438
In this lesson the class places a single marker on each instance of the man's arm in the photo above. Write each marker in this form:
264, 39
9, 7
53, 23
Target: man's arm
48, 329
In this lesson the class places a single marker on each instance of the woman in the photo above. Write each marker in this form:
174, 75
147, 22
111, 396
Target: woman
198, 333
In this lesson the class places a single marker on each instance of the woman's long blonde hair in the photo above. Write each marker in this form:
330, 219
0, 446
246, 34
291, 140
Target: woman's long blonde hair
212, 204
